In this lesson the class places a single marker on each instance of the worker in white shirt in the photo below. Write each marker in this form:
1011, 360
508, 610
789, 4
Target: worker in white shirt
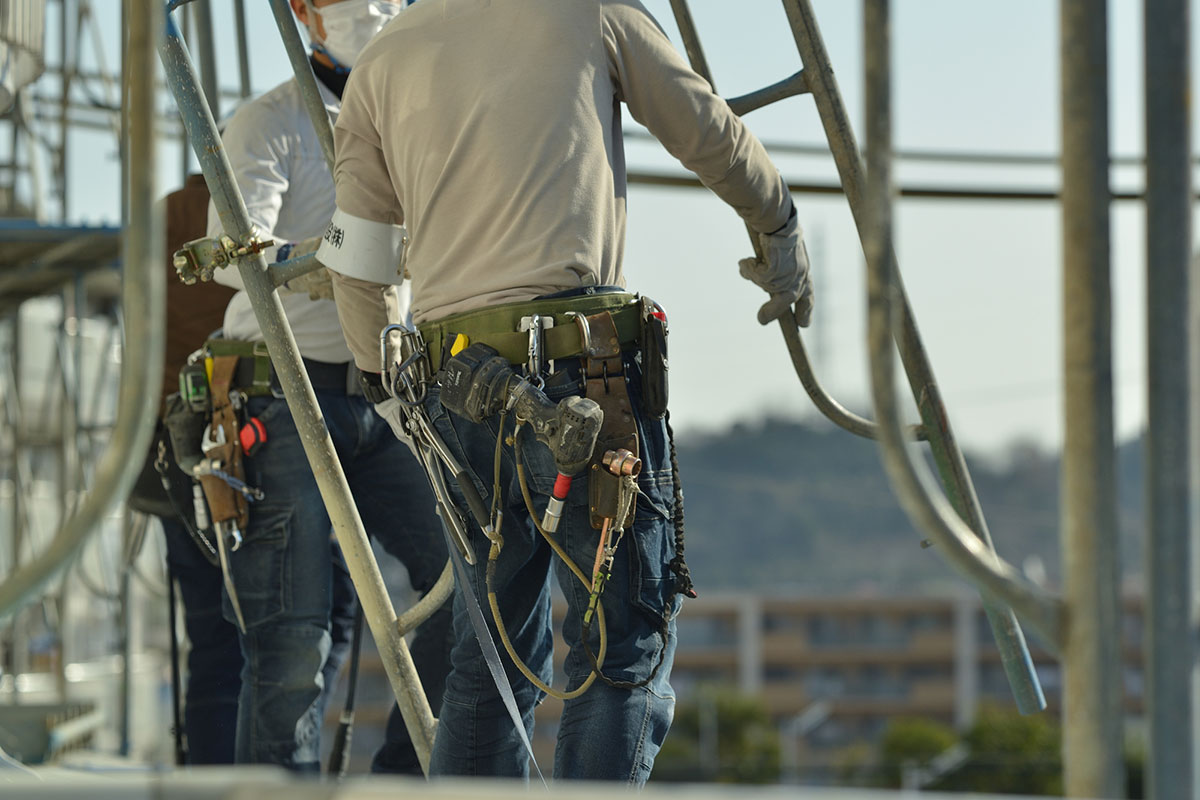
283, 572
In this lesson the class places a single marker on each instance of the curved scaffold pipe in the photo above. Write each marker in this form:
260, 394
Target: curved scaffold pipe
825, 403
911, 479
143, 291
796, 84
822, 83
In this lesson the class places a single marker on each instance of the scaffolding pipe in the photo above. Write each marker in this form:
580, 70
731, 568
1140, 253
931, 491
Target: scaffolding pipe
913, 483
998, 582
691, 41
284, 271
14, 650
1092, 742
788, 87
142, 289
206, 54
1168, 465
239, 18
327, 470
184, 151
831, 408
310, 93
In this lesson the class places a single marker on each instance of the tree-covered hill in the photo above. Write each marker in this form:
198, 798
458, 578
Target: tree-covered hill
790, 508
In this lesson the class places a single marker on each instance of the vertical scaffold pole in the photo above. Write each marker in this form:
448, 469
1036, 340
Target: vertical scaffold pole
1168, 521
1092, 736
206, 50
142, 293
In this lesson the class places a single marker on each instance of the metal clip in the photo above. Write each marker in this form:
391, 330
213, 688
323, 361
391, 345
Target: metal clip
160, 461
402, 265
207, 442
537, 365
404, 364
585, 332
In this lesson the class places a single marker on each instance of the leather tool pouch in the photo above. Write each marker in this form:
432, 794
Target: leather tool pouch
179, 431
149, 496
186, 428
654, 359
224, 502
604, 382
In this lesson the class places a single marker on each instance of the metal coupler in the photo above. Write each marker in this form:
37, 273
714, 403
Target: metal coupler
199, 259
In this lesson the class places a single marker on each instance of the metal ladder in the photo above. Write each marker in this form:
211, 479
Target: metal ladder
817, 79
1081, 625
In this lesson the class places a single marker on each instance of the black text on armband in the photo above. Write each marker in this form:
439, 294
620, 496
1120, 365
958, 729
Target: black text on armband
334, 235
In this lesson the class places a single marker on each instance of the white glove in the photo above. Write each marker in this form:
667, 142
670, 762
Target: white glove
783, 274
392, 412
317, 283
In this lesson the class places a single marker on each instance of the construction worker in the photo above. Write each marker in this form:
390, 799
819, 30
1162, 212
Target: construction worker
492, 132
282, 572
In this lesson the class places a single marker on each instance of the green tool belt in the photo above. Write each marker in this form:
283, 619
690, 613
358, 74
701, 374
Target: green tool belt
253, 375
499, 326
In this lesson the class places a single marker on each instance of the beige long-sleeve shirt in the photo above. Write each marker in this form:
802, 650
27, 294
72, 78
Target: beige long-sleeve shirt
492, 130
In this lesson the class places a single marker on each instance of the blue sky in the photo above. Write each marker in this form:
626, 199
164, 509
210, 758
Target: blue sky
983, 277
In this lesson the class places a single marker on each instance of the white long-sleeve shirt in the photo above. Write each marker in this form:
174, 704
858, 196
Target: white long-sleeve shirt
289, 194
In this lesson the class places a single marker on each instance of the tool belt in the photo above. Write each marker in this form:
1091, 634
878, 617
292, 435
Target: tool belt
255, 375
499, 326
596, 329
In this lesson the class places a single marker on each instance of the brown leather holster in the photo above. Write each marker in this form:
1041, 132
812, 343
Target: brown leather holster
224, 502
604, 382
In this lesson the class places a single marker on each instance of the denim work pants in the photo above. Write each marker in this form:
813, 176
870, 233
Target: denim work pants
214, 662
608, 733
285, 577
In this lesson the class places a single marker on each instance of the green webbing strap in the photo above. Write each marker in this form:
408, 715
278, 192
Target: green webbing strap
499, 326
255, 350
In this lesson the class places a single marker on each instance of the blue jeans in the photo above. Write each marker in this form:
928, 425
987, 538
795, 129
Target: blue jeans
214, 662
285, 577
608, 733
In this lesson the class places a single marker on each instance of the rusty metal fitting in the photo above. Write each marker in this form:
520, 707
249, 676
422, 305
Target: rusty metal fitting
622, 462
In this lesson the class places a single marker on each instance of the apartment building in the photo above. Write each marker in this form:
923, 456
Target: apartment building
833, 670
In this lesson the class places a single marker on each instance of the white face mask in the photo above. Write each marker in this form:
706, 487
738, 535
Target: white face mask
350, 24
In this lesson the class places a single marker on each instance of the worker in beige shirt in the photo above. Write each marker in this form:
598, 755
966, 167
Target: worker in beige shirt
491, 129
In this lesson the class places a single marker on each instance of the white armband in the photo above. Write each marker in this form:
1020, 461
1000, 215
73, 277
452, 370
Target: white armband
360, 248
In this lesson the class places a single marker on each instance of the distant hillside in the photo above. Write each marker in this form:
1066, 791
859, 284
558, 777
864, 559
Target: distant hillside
803, 509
